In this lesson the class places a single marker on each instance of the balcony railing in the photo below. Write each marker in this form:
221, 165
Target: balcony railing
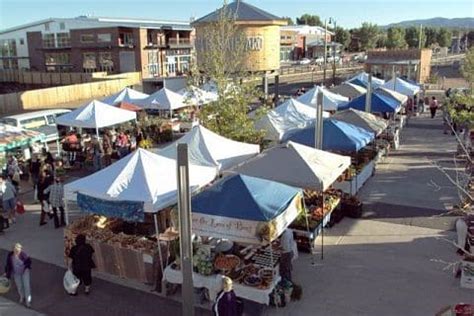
179, 42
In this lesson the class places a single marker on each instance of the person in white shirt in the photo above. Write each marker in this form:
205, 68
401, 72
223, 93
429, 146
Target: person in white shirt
286, 242
8, 192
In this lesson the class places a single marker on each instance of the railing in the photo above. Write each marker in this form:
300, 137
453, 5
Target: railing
180, 41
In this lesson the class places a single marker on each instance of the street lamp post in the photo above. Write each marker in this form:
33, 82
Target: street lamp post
334, 54
325, 48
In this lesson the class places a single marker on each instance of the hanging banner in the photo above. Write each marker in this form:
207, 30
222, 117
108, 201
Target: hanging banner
127, 210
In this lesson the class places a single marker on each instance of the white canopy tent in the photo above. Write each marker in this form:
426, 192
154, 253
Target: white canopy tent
210, 149
393, 94
126, 95
331, 101
349, 90
296, 165
142, 176
95, 115
362, 119
289, 115
363, 78
164, 99
402, 86
196, 96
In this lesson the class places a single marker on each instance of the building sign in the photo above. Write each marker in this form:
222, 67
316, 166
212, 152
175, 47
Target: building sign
253, 43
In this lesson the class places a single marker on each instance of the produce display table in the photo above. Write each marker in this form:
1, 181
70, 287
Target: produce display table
213, 284
353, 185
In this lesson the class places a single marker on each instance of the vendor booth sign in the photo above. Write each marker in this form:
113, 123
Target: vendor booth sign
127, 210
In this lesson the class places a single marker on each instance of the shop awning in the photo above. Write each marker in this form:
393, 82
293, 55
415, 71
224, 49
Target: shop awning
401, 86
242, 208
337, 136
141, 176
362, 119
286, 117
207, 148
13, 137
95, 114
296, 165
164, 99
380, 103
331, 101
126, 95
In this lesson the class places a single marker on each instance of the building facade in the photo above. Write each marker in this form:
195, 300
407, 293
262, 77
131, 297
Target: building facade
414, 64
295, 41
85, 44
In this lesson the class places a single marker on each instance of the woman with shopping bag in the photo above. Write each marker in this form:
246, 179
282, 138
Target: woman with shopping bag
82, 262
18, 267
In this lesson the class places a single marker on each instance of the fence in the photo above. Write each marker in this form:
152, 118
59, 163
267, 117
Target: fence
60, 96
49, 78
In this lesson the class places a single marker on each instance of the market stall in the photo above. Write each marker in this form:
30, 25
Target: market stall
401, 86
164, 100
249, 214
290, 115
362, 79
127, 95
307, 168
133, 189
331, 100
207, 148
349, 90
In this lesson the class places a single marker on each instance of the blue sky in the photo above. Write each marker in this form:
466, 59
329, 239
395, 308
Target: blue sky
348, 13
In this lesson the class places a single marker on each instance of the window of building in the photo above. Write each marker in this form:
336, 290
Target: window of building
64, 39
105, 62
46, 26
62, 26
125, 39
104, 37
153, 63
22, 41
87, 38
8, 48
48, 41
89, 63
57, 58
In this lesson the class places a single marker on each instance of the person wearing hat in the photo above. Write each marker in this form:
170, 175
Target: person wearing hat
18, 266
82, 263
56, 200
226, 301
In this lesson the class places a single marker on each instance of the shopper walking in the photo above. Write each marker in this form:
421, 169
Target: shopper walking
56, 200
433, 106
97, 153
108, 149
8, 192
44, 182
226, 301
82, 262
35, 170
18, 266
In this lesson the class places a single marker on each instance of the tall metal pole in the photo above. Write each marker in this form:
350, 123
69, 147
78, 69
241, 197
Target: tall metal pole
368, 96
420, 37
334, 56
325, 49
394, 77
186, 249
318, 126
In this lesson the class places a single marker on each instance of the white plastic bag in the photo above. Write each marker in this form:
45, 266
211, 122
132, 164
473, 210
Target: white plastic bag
70, 282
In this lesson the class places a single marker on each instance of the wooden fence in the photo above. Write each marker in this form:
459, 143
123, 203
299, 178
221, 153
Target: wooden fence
59, 97
49, 78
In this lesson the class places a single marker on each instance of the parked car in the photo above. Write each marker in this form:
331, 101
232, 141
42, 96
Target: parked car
305, 61
319, 60
331, 59
40, 121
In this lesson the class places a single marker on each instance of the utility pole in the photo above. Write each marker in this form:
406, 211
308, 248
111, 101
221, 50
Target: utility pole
325, 48
334, 55
420, 37
368, 95
186, 248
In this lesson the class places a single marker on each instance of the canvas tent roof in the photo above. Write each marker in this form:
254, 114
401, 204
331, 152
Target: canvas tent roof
141, 176
296, 165
393, 94
337, 136
331, 101
289, 115
164, 99
210, 149
126, 95
349, 90
380, 103
362, 119
13, 137
95, 114
362, 79
196, 96
401, 86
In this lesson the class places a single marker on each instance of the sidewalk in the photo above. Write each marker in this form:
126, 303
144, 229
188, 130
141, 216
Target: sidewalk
9, 308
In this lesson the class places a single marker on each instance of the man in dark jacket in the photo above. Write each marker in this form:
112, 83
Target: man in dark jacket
82, 263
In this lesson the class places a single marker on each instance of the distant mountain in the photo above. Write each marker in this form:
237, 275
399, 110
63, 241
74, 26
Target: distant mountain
458, 23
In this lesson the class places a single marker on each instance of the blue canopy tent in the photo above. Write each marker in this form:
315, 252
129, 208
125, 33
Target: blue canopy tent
358, 82
380, 103
239, 207
337, 136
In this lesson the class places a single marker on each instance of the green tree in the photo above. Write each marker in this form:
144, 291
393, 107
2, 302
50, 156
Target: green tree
367, 34
396, 38
309, 19
221, 60
467, 68
431, 36
443, 37
288, 20
343, 36
412, 37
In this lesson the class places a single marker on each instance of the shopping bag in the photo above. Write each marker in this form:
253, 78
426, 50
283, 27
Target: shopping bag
70, 282
20, 208
4, 285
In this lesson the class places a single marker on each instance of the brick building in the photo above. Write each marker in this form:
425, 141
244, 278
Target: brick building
295, 41
414, 64
86, 44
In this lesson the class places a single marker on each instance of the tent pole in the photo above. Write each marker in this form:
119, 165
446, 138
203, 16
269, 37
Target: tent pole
158, 242
66, 211
97, 132
322, 230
